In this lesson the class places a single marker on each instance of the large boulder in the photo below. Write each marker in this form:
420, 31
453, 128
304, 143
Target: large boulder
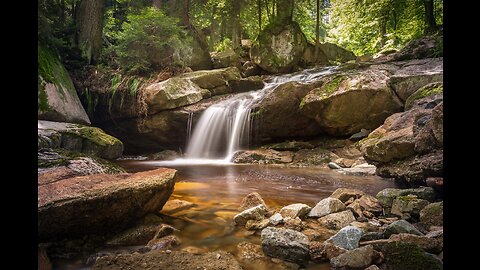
347, 238
285, 244
227, 58
359, 258
263, 156
423, 47
278, 47
57, 97
432, 214
400, 255
100, 204
349, 102
338, 220
79, 138
335, 53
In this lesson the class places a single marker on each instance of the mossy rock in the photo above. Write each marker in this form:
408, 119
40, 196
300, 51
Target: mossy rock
425, 91
407, 256
432, 214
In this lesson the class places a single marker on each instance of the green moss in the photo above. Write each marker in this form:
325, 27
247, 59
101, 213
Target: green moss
407, 256
95, 135
332, 85
42, 96
427, 90
258, 113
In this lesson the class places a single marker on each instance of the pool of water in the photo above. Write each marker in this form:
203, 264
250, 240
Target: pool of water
217, 190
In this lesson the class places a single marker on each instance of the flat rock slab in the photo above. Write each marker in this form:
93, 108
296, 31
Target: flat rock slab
100, 203
175, 260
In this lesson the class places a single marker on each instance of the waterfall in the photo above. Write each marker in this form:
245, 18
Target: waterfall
225, 127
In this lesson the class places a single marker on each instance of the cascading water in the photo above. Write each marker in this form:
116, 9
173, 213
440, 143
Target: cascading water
224, 128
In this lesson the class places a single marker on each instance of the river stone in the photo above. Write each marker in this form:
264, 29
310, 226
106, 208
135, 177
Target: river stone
223, 59
388, 195
276, 219
255, 213
358, 258
285, 244
324, 251
248, 251
372, 267
254, 225
138, 235
337, 220
295, 210
164, 243
168, 261
262, 156
363, 169
369, 236
64, 205
172, 93
399, 255
370, 204
432, 214
176, 205
251, 200
408, 206
57, 97
347, 238
400, 226
79, 138
432, 245
334, 166
343, 194
326, 206
356, 209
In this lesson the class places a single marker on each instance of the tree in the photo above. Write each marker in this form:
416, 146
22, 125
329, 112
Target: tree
430, 24
236, 28
317, 31
90, 28
284, 11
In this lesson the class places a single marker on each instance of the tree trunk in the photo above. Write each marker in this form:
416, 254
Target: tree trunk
212, 26
90, 28
284, 11
317, 32
430, 23
269, 15
157, 3
259, 3
186, 13
274, 8
176, 8
236, 24
383, 30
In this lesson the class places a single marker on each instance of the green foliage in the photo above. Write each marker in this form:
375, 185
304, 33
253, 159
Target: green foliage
134, 87
151, 40
223, 45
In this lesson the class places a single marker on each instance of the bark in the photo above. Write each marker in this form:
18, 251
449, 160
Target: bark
212, 27
284, 11
430, 23
90, 28
317, 32
383, 30
236, 24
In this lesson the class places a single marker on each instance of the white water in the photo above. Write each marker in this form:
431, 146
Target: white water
224, 128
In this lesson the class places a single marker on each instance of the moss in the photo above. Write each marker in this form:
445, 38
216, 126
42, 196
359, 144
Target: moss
95, 135
332, 85
408, 256
42, 96
425, 91
257, 113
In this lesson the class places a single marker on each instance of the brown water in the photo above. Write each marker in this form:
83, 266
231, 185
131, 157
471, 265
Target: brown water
218, 190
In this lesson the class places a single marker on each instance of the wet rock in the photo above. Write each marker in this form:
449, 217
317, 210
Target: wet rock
164, 230
164, 243
359, 135
408, 206
356, 259
138, 235
372, 267
251, 200
254, 213
247, 84
276, 219
194, 250
360, 170
63, 205
248, 251
428, 244
290, 146
432, 214
250, 69
294, 223
400, 226
400, 255
175, 205
333, 165
326, 206
313, 157
347, 238
345, 162
295, 210
161, 260
356, 209
285, 244
343, 194
223, 59
370, 204
324, 251
436, 183
337, 220
165, 155
262, 156
369, 236
255, 225
388, 195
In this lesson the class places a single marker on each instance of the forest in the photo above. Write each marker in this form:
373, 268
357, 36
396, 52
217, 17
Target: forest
240, 134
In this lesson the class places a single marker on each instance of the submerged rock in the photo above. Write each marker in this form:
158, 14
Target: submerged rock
255, 213
75, 207
285, 244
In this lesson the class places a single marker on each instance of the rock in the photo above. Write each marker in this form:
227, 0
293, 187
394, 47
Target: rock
294, 223
370, 204
63, 206
333, 165
290, 146
254, 213
313, 157
285, 244
44, 262
337, 220
276, 219
246, 84
227, 58
326, 206
174, 206
425, 91
262, 156
194, 250
79, 138
295, 210
356, 209
281, 106
359, 135
336, 53
436, 183
57, 98
165, 155
372, 267
161, 260
369, 236
432, 214
324, 251
343, 194
400, 255
164, 230
251, 69
347, 238
388, 195
254, 225
423, 47
415, 74
164, 243
251, 200
360, 170
430, 245
345, 162
358, 258
248, 251
172, 93
308, 57
400, 226
278, 47
408, 206
138, 235
330, 105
